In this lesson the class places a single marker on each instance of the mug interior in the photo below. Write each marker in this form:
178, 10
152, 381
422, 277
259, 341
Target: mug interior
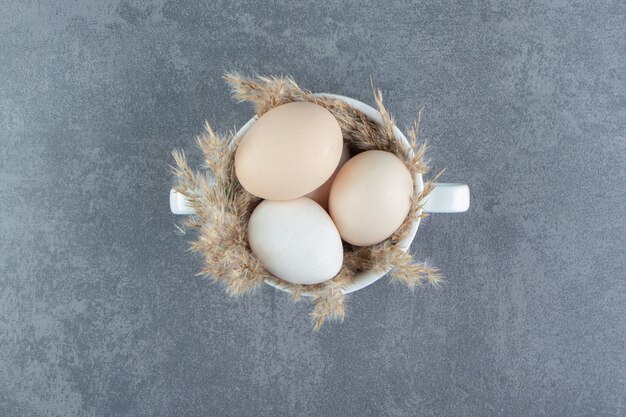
365, 278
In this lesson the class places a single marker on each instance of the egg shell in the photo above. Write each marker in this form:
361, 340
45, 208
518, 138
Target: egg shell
320, 195
289, 151
295, 240
370, 197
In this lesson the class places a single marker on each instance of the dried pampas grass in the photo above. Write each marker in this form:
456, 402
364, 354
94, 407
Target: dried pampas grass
223, 207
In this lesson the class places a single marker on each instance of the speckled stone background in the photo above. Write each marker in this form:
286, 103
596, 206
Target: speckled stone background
100, 311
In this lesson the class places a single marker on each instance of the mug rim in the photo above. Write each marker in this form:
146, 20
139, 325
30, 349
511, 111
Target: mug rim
365, 278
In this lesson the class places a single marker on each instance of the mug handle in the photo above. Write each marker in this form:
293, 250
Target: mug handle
179, 204
444, 198
448, 198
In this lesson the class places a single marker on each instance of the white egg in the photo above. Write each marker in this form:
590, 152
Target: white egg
296, 240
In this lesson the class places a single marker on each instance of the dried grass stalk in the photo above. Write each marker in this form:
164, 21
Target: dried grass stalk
328, 305
223, 207
405, 270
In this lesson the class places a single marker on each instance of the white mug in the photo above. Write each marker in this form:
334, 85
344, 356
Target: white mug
444, 198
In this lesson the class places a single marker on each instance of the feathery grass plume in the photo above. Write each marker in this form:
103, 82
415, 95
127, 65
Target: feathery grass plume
388, 121
328, 305
264, 92
222, 210
419, 150
192, 185
412, 274
223, 207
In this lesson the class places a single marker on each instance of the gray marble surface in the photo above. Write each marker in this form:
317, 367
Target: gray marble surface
100, 311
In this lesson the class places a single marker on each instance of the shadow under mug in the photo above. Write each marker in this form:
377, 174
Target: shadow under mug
444, 198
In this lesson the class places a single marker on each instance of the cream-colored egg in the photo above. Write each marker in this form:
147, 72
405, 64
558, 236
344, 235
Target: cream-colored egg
295, 240
320, 195
370, 197
290, 151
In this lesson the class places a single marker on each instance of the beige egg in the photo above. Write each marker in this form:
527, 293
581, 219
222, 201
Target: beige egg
295, 240
370, 197
320, 195
289, 151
